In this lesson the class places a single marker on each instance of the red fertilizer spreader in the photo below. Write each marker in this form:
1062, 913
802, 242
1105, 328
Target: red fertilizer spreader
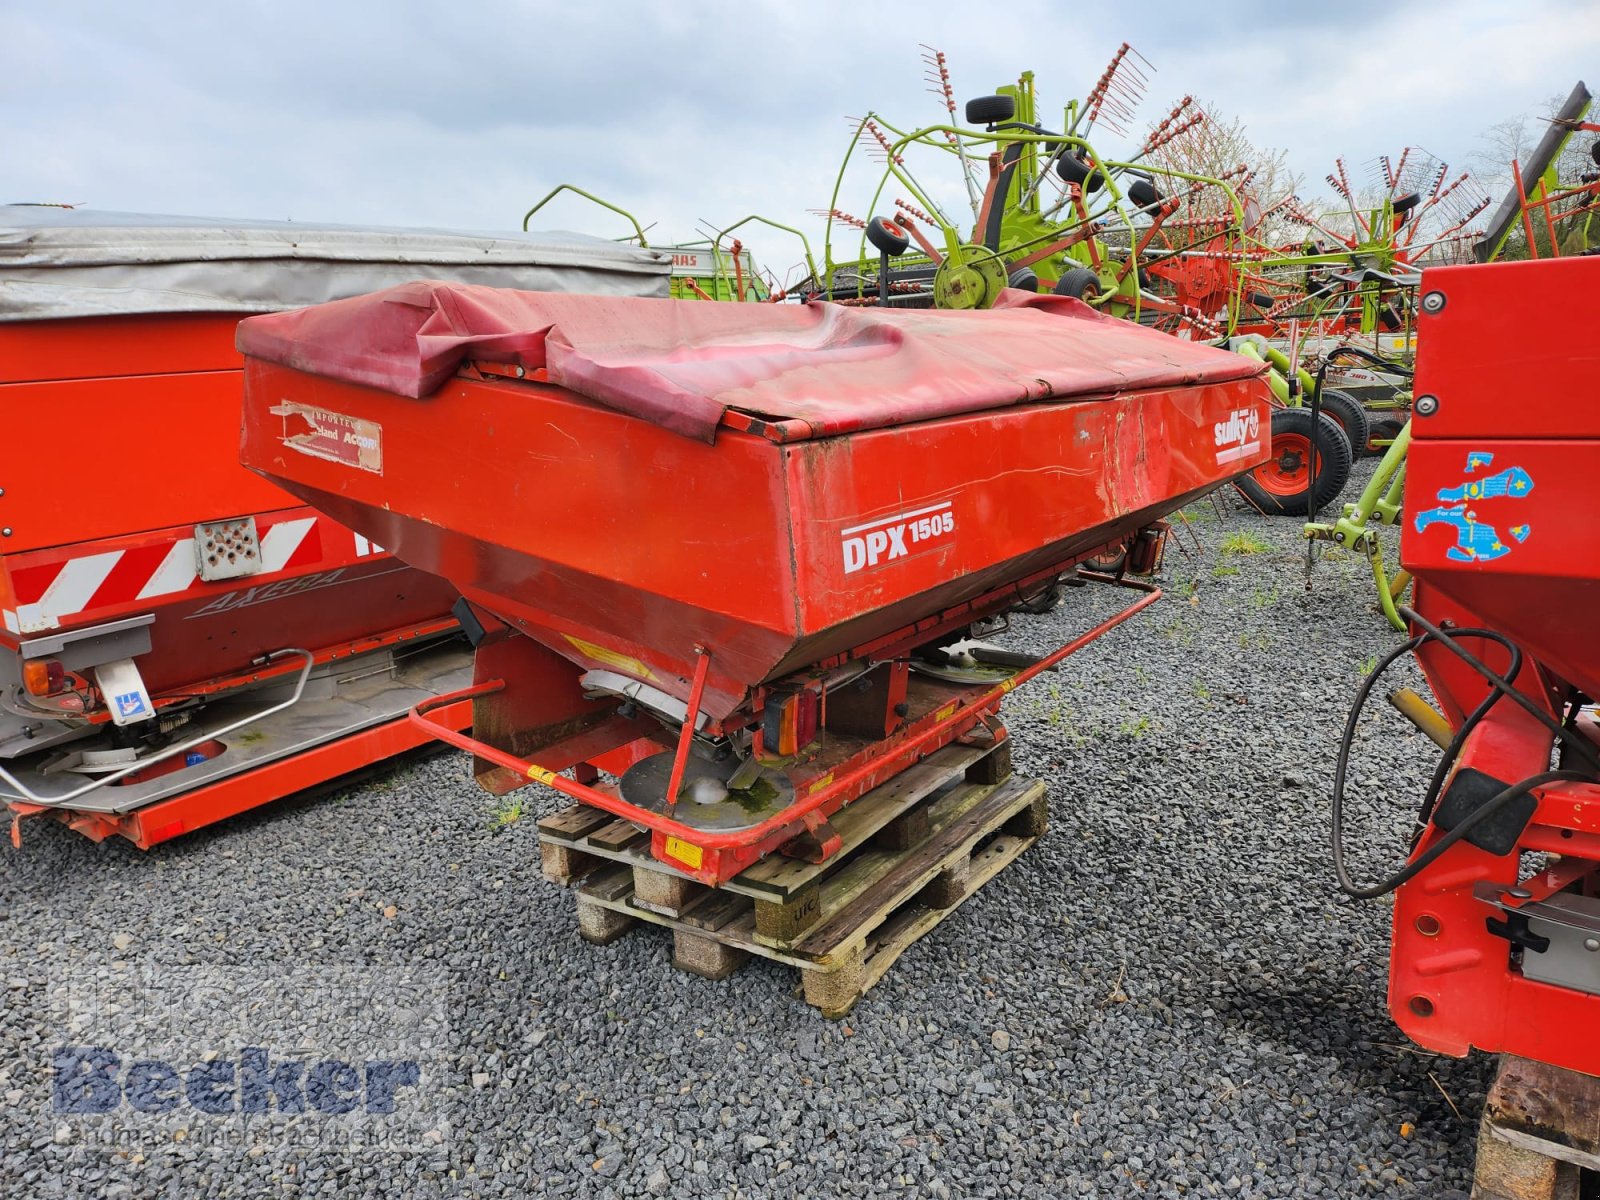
732, 553
1497, 914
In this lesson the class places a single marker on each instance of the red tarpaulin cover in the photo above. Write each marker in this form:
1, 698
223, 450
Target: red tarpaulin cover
682, 363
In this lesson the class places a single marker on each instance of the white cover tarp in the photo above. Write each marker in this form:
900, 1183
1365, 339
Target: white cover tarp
59, 263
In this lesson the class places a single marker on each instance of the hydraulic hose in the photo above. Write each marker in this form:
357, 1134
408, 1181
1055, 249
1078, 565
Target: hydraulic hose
1499, 687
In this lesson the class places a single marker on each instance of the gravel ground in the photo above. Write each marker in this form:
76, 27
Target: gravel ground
1166, 997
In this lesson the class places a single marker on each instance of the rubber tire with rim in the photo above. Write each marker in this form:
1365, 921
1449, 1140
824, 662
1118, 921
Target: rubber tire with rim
1387, 428
1347, 414
1407, 202
1333, 472
990, 110
1108, 564
885, 235
1077, 283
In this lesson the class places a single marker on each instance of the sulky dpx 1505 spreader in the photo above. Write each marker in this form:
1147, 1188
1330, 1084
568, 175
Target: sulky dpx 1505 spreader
732, 554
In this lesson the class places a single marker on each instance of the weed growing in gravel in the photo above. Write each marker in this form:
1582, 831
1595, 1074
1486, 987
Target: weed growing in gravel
1188, 587
1178, 632
1369, 664
1262, 598
509, 811
1201, 691
1135, 729
1254, 641
1224, 571
1243, 543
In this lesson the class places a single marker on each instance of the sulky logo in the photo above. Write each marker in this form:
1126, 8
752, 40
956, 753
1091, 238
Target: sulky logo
1239, 436
893, 537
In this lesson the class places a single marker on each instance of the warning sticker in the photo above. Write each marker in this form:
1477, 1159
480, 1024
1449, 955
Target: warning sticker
353, 441
614, 659
687, 853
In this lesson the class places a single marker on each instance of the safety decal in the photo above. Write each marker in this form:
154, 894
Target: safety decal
1477, 540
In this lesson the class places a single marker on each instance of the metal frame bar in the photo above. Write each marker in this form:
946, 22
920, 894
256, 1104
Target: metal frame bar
743, 838
24, 792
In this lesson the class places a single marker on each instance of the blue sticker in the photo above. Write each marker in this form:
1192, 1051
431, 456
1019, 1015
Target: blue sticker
1477, 541
129, 704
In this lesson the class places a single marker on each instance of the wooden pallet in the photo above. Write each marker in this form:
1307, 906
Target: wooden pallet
913, 850
1540, 1134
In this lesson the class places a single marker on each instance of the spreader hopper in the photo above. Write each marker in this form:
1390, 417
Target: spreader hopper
745, 520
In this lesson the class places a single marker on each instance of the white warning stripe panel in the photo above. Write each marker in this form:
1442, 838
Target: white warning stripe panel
281, 541
80, 579
365, 547
175, 574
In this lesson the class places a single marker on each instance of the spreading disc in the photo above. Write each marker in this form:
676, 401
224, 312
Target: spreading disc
704, 800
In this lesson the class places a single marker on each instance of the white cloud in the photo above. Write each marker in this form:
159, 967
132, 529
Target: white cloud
695, 112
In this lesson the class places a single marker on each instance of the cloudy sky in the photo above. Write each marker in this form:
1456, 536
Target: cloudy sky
420, 113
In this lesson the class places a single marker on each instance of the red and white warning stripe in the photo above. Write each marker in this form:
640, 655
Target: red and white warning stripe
65, 583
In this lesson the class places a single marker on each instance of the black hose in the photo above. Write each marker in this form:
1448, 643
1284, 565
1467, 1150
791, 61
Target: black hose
1499, 687
1573, 740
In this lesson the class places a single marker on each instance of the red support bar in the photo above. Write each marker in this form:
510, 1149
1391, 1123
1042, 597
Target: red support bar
680, 760
741, 838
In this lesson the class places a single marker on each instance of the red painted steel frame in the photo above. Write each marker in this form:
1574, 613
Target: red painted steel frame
793, 819
1453, 985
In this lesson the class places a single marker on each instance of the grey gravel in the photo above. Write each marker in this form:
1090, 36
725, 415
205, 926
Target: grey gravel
1166, 997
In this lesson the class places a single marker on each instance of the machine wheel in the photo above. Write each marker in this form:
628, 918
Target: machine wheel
1259, 299
1594, 153
1073, 169
1383, 429
1108, 564
1024, 279
1407, 202
990, 110
1281, 486
1347, 414
885, 235
1144, 194
1077, 283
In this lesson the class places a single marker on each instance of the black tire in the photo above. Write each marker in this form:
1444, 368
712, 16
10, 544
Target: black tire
1108, 564
1259, 299
1144, 194
1594, 153
1024, 279
1384, 429
1278, 498
885, 235
1391, 320
1074, 169
1347, 414
990, 110
1045, 601
1077, 283
1407, 202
